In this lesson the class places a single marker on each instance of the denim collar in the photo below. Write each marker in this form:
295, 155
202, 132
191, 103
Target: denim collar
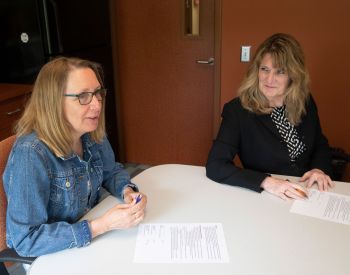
87, 143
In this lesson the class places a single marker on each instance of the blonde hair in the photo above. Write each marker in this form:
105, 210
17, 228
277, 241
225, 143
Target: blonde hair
44, 112
287, 54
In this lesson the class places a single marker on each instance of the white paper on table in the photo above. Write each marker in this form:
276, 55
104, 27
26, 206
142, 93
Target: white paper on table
324, 205
181, 243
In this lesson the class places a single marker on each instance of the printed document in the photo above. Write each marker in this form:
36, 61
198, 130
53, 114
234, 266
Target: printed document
324, 205
181, 243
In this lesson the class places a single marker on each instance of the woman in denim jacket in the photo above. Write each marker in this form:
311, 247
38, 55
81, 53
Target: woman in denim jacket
59, 162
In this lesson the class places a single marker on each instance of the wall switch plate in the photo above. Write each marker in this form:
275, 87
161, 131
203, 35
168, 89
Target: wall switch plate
245, 53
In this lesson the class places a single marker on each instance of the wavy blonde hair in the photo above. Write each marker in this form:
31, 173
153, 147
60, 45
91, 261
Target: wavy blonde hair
287, 54
44, 112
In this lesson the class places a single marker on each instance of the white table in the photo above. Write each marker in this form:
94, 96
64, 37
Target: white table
262, 236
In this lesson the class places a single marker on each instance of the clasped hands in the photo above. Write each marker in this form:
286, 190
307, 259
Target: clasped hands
121, 216
288, 190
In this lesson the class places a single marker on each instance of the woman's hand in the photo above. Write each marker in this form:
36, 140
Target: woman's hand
121, 216
317, 176
130, 195
283, 188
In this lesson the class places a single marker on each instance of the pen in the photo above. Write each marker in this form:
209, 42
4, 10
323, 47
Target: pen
300, 191
138, 198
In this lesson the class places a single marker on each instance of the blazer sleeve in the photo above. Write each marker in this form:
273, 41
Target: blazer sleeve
220, 166
321, 155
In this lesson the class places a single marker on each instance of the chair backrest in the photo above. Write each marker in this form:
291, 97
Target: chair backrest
340, 160
5, 149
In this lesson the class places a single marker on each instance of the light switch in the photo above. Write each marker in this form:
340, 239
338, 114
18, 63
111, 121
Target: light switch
245, 53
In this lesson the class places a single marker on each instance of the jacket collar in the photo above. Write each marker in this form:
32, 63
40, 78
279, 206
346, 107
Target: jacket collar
87, 144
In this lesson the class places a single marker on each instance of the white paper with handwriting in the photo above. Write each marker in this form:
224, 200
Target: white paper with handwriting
181, 243
324, 205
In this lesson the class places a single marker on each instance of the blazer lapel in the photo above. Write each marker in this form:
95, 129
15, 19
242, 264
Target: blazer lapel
267, 122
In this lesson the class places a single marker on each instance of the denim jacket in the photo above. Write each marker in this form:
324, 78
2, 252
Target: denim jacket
47, 195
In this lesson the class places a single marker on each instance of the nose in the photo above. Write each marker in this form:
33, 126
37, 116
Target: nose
270, 77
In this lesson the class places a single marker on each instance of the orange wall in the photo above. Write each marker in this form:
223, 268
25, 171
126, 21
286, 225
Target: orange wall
322, 28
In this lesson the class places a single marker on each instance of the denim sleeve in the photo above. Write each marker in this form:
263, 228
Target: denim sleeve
115, 177
27, 186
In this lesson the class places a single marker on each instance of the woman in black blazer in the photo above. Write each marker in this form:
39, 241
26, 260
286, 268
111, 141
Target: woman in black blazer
273, 126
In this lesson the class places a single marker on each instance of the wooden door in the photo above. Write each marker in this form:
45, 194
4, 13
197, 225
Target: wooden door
165, 96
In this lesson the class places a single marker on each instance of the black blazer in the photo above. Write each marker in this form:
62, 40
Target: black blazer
261, 148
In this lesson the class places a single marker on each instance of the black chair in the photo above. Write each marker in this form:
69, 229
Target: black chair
10, 255
339, 161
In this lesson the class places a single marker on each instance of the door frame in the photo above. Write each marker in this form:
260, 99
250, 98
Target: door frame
217, 68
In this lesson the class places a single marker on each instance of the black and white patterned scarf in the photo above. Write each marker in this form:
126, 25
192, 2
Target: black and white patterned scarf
288, 132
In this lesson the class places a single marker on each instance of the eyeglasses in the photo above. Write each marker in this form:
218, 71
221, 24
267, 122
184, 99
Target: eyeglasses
85, 98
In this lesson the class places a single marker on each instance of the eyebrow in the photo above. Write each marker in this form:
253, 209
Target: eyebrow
273, 68
87, 90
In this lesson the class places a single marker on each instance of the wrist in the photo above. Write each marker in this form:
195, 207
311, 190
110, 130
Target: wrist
265, 182
97, 227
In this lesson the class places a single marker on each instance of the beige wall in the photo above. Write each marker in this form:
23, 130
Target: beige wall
322, 28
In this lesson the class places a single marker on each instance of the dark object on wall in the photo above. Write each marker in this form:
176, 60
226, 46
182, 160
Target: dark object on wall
35, 31
339, 161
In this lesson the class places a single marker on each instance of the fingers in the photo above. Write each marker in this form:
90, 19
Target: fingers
138, 217
330, 182
124, 218
314, 179
287, 190
136, 198
130, 197
283, 196
295, 193
117, 217
140, 197
122, 206
135, 218
141, 203
279, 187
323, 182
305, 176
136, 211
317, 176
